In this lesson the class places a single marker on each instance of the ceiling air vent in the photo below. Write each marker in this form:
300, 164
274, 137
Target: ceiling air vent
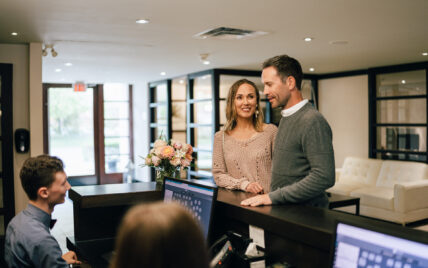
228, 34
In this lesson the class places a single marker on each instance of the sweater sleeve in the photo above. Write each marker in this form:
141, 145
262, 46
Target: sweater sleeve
274, 132
219, 168
318, 148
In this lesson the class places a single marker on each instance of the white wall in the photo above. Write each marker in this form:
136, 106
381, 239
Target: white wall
18, 56
344, 103
141, 128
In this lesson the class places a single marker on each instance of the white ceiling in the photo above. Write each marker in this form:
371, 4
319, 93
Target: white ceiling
102, 40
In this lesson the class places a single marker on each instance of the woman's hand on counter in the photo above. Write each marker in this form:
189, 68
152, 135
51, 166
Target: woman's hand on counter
254, 187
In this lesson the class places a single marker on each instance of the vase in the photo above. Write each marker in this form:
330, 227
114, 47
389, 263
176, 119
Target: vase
162, 174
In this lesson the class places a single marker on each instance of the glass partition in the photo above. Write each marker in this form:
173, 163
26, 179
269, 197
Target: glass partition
401, 111
202, 87
401, 84
401, 116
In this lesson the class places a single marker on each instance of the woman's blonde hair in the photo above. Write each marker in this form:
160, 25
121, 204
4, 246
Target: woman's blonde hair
160, 235
231, 114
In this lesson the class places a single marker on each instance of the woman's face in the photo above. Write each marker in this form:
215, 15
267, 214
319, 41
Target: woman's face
245, 101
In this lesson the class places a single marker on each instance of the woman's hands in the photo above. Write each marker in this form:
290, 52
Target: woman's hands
254, 187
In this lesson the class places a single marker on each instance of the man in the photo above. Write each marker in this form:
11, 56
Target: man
28, 239
303, 158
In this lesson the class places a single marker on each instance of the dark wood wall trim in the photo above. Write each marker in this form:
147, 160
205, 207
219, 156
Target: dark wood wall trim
342, 74
7, 174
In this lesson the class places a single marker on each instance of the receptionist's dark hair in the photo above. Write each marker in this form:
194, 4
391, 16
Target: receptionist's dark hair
39, 172
160, 235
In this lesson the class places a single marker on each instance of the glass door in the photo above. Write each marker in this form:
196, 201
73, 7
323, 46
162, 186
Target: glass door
71, 129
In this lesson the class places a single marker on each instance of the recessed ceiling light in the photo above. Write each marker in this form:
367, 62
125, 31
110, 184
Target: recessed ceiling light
308, 39
68, 64
424, 53
58, 70
338, 42
162, 73
311, 69
206, 62
142, 21
181, 81
14, 33
403, 81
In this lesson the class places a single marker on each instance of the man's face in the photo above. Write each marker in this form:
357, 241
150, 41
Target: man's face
277, 91
58, 189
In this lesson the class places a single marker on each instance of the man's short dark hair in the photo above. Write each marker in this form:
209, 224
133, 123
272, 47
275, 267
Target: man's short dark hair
286, 66
39, 172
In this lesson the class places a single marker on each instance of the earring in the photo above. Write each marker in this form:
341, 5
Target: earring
257, 114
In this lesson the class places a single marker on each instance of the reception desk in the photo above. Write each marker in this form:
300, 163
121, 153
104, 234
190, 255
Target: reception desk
300, 235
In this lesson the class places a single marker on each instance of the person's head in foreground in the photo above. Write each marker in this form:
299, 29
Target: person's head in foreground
160, 235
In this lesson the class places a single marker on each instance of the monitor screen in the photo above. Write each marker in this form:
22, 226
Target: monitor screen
360, 247
198, 198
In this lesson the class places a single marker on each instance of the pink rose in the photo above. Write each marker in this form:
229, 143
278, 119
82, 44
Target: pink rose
178, 145
148, 161
185, 162
156, 160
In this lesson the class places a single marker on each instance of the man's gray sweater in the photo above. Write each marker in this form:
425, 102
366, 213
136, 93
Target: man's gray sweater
303, 159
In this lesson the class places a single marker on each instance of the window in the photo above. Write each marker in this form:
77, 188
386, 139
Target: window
90, 131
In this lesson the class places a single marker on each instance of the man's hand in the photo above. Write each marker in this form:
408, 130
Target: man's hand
257, 200
71, 258
254, 187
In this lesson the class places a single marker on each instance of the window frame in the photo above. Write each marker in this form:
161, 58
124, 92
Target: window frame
100, 176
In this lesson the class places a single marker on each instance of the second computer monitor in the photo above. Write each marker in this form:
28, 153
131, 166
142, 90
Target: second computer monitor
198, 198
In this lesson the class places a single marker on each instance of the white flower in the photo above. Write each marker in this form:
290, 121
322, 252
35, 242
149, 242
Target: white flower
175, 161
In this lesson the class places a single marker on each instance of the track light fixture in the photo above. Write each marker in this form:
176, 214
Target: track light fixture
45, 51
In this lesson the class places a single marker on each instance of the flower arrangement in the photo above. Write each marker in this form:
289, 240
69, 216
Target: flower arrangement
167, 157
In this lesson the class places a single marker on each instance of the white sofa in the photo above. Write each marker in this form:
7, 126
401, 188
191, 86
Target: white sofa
390, 190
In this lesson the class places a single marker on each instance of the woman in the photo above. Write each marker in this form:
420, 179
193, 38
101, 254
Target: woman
160, 235
242, 154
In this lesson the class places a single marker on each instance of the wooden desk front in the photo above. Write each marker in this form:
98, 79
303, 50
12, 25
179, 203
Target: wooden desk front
98, 209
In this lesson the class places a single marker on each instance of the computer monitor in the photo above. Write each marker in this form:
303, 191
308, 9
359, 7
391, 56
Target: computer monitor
199, 198
357, 246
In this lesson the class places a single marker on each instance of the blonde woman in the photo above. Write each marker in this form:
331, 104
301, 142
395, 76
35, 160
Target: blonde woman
242, 154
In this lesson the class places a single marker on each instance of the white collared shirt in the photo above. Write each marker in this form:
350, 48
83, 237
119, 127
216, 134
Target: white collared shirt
293, 109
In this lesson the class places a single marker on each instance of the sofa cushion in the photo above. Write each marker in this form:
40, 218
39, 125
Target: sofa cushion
393, 172
379, 197
357, 170
345, 188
